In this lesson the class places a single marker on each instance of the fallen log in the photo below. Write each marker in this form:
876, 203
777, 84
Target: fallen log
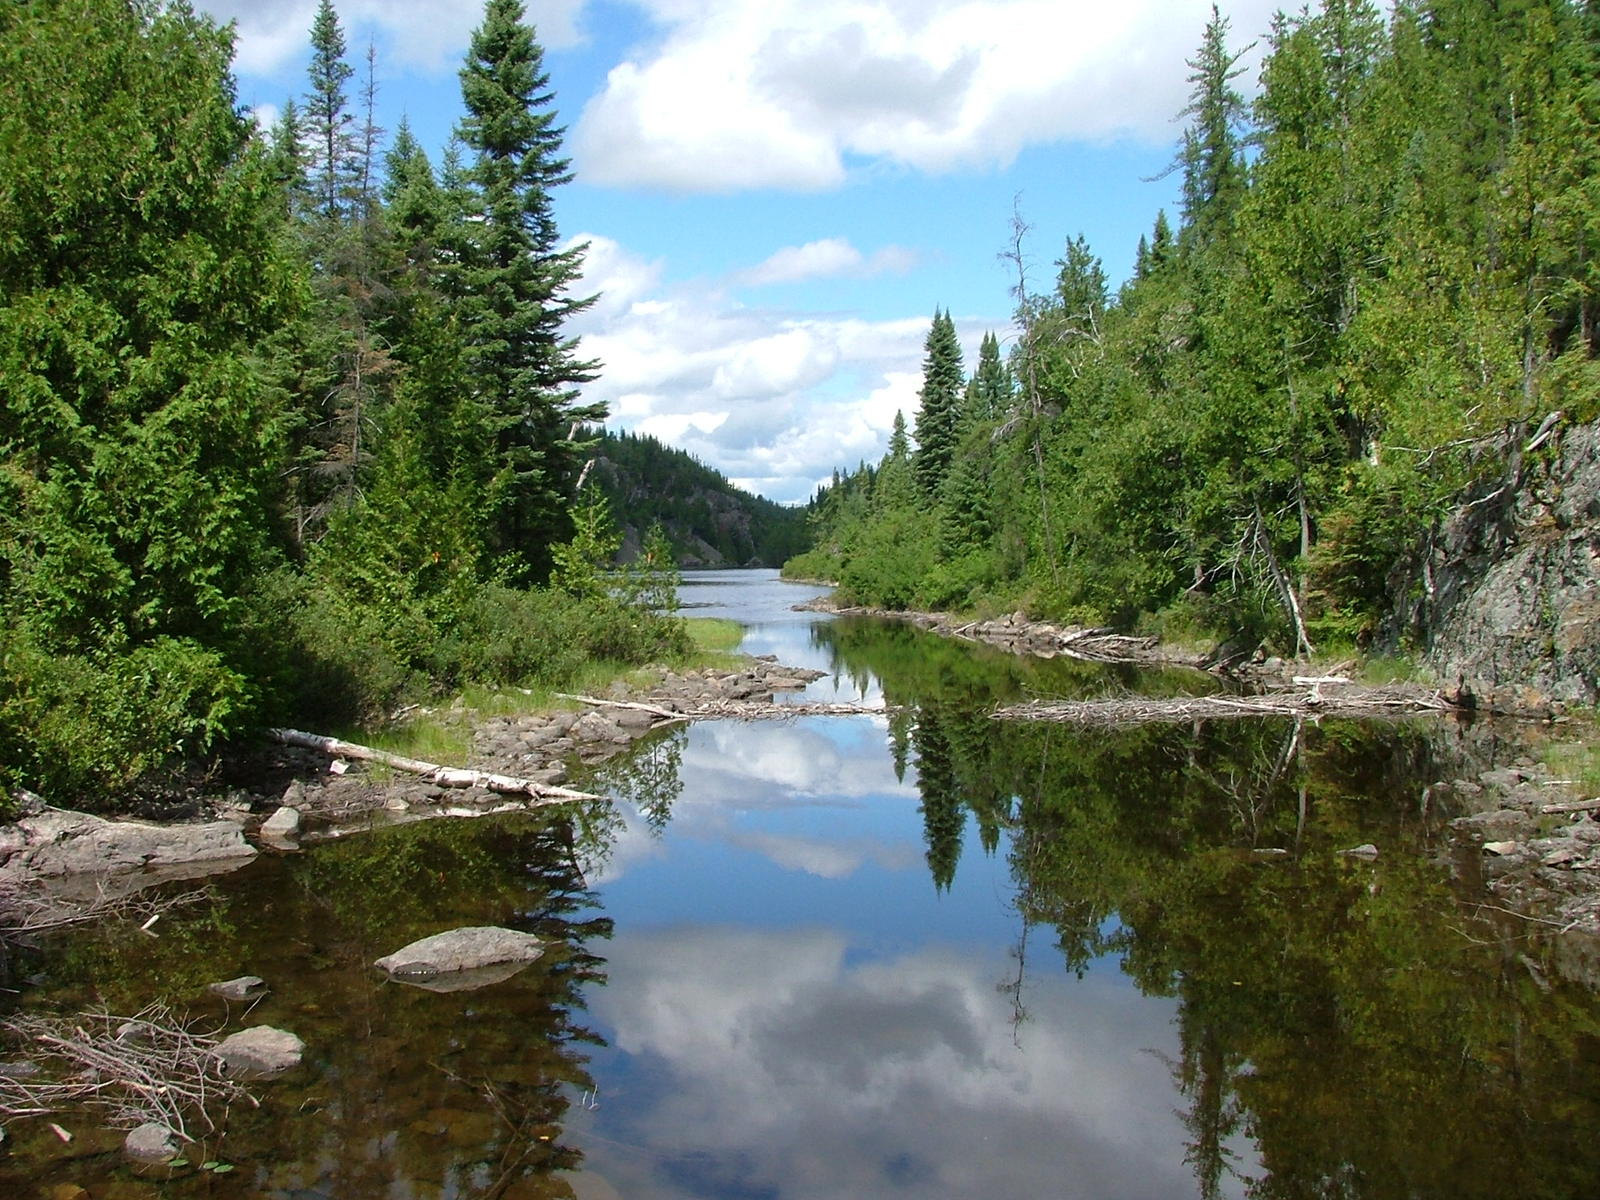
654, 709
1580, 806
1144, 710
748, 710
451, 777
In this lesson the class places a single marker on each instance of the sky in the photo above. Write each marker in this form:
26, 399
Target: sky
776, 195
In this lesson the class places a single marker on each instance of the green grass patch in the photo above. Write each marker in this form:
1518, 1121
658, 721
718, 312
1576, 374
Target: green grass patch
432, 738
1577, 761
714, 634
1393, 668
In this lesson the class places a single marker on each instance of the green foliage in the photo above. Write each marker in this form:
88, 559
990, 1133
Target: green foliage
647, 483
274, 438
87, 729
1384, 275
514, 286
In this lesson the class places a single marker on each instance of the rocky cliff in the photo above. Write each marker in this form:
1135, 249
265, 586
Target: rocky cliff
1505, 596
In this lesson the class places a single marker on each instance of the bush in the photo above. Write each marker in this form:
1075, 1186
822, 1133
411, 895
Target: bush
84, 729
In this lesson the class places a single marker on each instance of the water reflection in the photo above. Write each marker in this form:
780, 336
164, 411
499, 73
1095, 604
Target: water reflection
404, 1092
919, 954
793, 1065
1150, 970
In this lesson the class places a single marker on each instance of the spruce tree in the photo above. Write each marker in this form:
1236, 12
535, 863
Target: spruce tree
1212, 158
515, 285
334, 158
936, 430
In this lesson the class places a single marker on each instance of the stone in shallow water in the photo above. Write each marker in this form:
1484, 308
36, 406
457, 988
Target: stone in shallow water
260, 1050
284, 823
471, 948
246, 987
151, 1142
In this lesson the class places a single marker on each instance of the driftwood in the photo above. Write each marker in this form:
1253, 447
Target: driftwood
142, 1068
746, 710
23, 914
665, 714
452, 777
1142, 710
1579, 806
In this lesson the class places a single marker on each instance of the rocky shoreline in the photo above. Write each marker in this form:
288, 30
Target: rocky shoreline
300, 796
1530, 841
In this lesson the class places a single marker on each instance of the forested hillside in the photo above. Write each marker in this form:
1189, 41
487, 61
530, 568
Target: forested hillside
288, 423
1382, 281
708, 521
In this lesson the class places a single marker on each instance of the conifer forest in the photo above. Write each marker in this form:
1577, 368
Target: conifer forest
293, 425
1381, 285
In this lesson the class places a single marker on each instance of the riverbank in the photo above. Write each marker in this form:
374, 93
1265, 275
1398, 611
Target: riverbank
284, 796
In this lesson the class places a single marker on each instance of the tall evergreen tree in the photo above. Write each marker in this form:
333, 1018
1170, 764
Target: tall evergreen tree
335, 163
936, 429
516, 285
1211, 157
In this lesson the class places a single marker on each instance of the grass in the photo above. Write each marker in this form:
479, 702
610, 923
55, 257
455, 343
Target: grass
1578, 761
714, 635
438, 735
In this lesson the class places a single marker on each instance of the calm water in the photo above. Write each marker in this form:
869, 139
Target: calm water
918, 955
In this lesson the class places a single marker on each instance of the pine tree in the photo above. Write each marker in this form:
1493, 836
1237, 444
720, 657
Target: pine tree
989, 389
1211, 158
334, 160
515, 285
899, 443
936, 430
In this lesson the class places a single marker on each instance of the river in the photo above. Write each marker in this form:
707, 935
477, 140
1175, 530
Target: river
914, 955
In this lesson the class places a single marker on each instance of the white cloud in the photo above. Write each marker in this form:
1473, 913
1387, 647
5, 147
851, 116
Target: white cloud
826, 259
742, 94
773, 399
424, 34
764, 1046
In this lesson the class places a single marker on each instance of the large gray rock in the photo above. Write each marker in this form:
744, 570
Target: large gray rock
59, 842
468, 949
284, 823
151, 1142
260, 1050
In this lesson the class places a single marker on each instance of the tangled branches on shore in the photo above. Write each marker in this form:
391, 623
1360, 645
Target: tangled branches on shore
24, 914
148, 1067
1344, 701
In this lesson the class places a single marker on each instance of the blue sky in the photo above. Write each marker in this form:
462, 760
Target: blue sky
778, 193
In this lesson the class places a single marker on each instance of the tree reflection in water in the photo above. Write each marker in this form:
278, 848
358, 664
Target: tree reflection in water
405, 1092
1358, 1022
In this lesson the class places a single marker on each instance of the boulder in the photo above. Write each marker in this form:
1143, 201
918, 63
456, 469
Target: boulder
467, 949
282, 824
61, 842
151, 1142
260, 1050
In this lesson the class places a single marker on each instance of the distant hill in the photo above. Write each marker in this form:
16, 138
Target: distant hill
710, 522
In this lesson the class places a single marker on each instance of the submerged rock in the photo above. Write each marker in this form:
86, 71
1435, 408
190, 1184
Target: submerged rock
246, 987
260, 1050
151, 1142
469, 949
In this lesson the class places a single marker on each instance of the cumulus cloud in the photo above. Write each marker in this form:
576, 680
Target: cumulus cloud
764, 1045
744, 94
410, 33
827, 259
773, 399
